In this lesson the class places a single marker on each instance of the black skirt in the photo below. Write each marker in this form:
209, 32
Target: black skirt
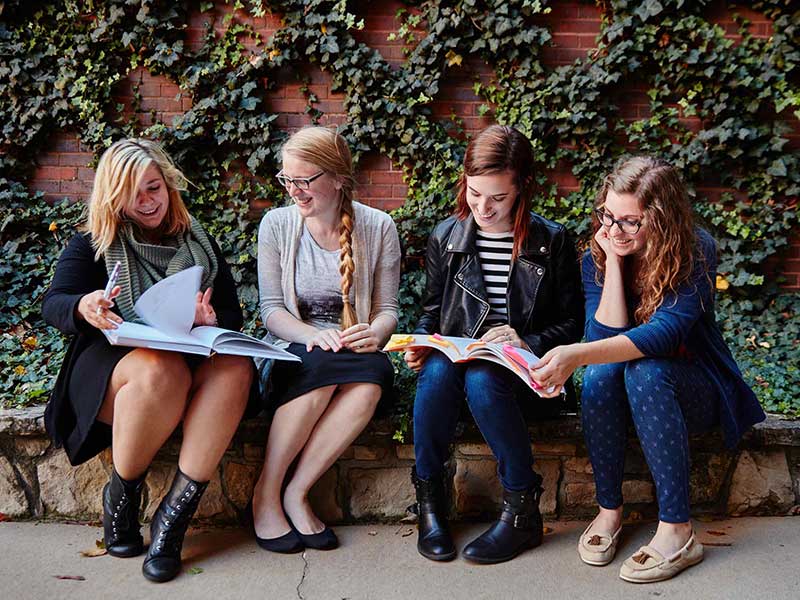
290, 380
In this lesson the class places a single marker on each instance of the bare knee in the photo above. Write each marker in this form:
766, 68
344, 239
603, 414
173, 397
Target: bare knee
362, 399
157, 375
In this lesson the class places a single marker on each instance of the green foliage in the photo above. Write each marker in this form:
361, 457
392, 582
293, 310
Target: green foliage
62, 63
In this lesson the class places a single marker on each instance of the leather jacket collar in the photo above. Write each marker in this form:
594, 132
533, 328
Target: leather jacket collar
462, 239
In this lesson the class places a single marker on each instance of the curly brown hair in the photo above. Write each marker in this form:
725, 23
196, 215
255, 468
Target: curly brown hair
671, 239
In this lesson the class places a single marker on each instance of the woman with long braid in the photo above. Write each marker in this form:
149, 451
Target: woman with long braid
328, 271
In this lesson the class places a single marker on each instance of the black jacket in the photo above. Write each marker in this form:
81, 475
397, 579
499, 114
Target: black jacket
90, 359
545, 296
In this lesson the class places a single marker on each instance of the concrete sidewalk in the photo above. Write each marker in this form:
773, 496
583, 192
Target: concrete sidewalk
745, 558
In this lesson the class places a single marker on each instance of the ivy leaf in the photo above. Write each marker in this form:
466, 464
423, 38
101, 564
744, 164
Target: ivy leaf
777, 168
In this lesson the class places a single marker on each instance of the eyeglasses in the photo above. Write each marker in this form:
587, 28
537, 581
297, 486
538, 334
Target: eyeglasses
626, 225
301, 183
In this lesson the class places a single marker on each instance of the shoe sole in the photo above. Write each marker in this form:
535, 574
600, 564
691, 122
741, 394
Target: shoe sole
595, 563
494, 561
438, 557
115, 554
633, 580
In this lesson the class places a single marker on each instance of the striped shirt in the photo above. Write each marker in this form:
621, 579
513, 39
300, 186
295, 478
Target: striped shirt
494, 255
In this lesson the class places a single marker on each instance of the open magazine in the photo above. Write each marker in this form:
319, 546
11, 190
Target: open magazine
168, 308
460, 349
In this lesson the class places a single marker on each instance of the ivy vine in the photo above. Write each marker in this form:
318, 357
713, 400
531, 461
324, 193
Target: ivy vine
61, 64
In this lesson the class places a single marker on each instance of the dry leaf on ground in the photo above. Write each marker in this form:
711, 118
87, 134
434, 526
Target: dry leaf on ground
372, 533
712, 532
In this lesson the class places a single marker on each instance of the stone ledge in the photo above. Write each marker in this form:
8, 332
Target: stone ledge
370, 482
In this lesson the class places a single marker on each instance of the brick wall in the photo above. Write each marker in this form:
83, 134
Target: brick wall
63, 170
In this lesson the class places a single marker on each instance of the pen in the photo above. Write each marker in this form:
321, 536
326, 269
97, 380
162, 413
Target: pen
112, 280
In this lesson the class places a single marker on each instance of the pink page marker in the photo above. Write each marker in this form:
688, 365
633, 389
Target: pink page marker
518, 360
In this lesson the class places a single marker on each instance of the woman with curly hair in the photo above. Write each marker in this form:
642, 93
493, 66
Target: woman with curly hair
328, 273
654, 352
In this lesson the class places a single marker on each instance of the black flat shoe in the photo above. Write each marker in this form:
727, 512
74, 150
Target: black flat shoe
324, 540
288, 543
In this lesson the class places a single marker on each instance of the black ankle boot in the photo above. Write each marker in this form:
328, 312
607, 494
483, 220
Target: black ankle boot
169, 525
434, 541
518, 528
121, 529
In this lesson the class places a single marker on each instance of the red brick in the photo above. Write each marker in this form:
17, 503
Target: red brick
386, 177
74, 160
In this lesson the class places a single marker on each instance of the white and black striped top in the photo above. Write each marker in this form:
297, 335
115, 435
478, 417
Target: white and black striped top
494, 255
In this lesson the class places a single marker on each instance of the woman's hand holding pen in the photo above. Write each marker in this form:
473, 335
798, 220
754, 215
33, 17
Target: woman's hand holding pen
204, 313
95, 308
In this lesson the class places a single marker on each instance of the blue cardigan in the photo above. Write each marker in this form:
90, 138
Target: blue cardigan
686, 320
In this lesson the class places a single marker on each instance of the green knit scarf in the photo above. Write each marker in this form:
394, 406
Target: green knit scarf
144, 264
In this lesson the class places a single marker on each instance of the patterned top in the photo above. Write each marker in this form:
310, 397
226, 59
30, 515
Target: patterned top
494, 255
318, 283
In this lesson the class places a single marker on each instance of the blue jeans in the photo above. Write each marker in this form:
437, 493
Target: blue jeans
668, 398
493, 394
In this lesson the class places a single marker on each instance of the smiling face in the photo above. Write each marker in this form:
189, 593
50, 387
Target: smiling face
323, 195
491, 199
151, 203
625, 207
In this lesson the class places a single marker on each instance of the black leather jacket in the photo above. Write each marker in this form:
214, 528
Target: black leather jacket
545, 295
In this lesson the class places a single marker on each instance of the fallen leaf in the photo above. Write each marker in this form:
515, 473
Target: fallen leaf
635, 516
372, 533
407, 533
195, 571
91, 553
4, 518
547, 530
712, 532
71, 577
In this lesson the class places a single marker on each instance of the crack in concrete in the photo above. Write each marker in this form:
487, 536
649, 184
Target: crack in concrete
303, 577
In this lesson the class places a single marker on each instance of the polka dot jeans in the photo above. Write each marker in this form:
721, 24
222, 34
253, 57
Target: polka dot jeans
668, 398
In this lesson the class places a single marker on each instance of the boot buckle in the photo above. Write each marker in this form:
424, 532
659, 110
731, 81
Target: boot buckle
521, 521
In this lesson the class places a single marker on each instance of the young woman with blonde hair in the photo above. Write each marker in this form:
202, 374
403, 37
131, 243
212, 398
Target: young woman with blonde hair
134, 398
655, 353
328, 270
497, 271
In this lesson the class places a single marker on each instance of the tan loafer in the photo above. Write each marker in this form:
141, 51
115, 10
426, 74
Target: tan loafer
647, 565
598, 549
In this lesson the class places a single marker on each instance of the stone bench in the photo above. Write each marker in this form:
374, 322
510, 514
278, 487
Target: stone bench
370, 482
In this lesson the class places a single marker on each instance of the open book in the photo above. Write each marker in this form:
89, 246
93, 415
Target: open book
460, 349
168, 308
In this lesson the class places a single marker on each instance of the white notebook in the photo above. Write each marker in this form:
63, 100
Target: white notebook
168, 308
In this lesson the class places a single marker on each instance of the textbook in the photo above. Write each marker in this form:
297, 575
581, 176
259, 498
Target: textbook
168, 308
460, 349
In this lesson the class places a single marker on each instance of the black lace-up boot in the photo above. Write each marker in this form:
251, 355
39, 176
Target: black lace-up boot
518, 528
170, 522
121, 528
434, 541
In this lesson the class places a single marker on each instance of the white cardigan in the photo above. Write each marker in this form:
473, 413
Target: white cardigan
376, 252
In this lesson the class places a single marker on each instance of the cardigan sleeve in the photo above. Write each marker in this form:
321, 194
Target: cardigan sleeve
593, 329
386, 278
669, 326
224, 298
75, 276
270, 291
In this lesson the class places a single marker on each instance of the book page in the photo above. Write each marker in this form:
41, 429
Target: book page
169, 304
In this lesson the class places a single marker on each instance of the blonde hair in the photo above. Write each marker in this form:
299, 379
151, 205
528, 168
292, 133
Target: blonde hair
116, 184
328, 150
671, 240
